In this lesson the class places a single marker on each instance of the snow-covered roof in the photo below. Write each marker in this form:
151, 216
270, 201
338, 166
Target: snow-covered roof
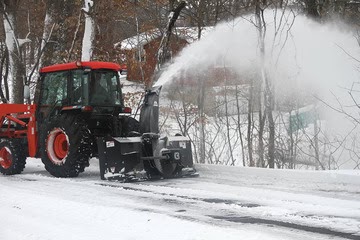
190, 34
354, 2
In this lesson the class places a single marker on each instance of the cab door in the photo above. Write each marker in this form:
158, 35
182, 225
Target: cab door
53, 93
79, 82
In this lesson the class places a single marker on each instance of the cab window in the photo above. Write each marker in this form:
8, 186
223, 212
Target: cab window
54, 89
80, 86
104, 88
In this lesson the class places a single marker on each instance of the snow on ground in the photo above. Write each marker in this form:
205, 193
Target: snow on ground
223, 203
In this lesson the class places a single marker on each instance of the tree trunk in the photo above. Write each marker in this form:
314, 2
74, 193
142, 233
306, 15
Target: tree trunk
16, 68
89, 33
316, 146
292, 144
201, 117
266, 91
201, 84
271, 148
250, 126
228, 130
3, 77
269, 108
45, 54
262, 118
239, 127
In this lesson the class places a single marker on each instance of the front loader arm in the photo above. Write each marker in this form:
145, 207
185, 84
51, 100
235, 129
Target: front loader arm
24, 115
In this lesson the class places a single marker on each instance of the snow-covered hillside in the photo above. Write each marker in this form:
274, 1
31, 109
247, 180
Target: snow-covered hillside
223, 203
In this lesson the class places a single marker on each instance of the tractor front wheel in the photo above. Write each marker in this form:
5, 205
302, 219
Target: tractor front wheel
65, 144
12, 157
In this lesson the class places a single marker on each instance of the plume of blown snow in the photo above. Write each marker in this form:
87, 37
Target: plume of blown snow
300, 54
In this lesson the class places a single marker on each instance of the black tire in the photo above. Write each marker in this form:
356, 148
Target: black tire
133, 124
131, 127
12, 157
167, 169
65, 145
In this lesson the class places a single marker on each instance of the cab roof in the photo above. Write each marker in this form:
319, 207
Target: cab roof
80, 65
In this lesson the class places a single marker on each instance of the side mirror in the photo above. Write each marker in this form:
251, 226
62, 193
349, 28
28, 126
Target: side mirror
27, 92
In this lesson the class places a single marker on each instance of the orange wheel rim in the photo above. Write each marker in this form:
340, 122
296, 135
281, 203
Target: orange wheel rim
57, 146
6, 160
61, 147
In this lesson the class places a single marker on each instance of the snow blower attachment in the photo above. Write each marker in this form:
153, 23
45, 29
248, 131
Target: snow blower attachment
146, 154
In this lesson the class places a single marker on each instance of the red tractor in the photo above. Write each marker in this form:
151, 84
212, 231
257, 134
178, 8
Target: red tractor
79, 113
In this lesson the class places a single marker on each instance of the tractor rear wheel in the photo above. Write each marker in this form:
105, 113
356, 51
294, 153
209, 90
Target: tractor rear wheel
12, 157
65, 144
130, 127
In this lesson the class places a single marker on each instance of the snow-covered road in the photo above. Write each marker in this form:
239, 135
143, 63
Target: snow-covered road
223, 203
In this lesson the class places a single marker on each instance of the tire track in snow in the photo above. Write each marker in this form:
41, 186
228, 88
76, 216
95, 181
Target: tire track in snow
319, 230
194, 208
234, 218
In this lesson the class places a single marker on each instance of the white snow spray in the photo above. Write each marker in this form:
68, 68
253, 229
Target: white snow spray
301, 55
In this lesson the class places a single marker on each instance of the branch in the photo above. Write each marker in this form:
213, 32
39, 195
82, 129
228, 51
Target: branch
357, 60
40, 54
74, 39
88, 5
341, 110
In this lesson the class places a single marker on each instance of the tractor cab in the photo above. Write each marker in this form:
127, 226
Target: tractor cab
74, 85
91, 89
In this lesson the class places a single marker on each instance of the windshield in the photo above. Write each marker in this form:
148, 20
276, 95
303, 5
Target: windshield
81, 87
104, 88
